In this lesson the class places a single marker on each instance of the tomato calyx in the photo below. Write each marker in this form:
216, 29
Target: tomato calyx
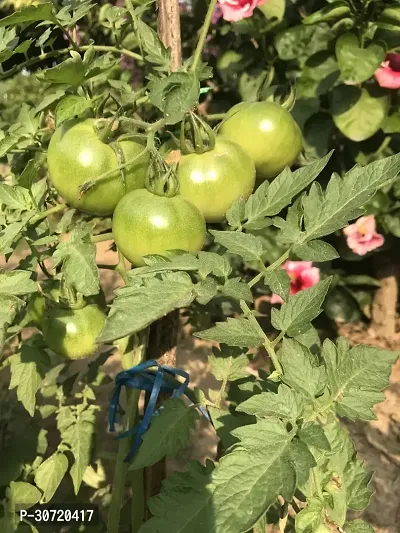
161, 178
283, 95
197, 137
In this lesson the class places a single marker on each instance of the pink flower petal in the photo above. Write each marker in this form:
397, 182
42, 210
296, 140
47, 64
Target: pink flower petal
388, 75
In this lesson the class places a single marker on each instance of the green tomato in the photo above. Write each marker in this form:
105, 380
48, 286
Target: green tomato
72, 333
212, 181
267, 132
36, 308
145, 224
77, 155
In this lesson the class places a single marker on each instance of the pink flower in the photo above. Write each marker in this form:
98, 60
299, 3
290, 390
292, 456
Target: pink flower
302, 276
234, 10
362, 236
388, 75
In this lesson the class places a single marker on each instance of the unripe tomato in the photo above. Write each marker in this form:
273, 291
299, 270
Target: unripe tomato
267, 132
36, 308
145, 224
77, 155
72, 333
212, 181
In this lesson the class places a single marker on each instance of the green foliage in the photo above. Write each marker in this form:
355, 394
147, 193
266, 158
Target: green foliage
281, 433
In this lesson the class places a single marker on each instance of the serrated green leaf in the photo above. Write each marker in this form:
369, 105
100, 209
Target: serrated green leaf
286, 404
356, 377
234, 332
317, 251
270, 198
27, 373
300, 369
295, 316
78, 257
314, 436
229, 368
77, 429
358, 526
50, 474
247, 246
15, 197
42, 12
326, 212
155, 51
9, 142
49, 100
69, 72
16, 283
70, 107
184, 262
169, 432
23, 495
236, 213
237, 289
279, 282
137, 307
310, 518
212, 263
206, 290
175, 94
29, 174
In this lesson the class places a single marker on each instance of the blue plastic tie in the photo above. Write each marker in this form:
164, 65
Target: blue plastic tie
144, 377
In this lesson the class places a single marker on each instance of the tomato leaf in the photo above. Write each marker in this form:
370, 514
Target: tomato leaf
78, 257
270, 199
69, 72
300, 369
356, 377
169, 432
342, 201
279, 283
295, 316
318, 251
234, 332
287, 404
237, 289
358, 526
314, 436
228, 368
77, 427
28, 370
136, 307
155, 51
212, 263
50, 474
42, 12
70, 107
311, 517
175, 94
247, 246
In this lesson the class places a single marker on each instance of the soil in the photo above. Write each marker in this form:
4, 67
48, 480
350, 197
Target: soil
378, 441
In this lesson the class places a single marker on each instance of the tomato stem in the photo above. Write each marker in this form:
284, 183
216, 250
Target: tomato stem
48, 212
56, 53
102, 237
121, 469
85, 187
203, 36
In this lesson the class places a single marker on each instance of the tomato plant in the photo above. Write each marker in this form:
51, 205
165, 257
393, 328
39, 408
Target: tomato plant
212, 181
77, 155
148, 224
92, 98
267, 132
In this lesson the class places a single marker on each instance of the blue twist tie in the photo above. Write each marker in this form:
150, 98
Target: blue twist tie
153, 382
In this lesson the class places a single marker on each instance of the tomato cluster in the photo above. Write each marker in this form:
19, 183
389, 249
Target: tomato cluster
109, 178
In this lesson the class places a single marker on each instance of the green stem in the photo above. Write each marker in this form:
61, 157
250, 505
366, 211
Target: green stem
48, 212
268, 345
317, 484
121, 268
85, 187
203, 35
272, 266
56, 53
215, 117
102, 237
121, 468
